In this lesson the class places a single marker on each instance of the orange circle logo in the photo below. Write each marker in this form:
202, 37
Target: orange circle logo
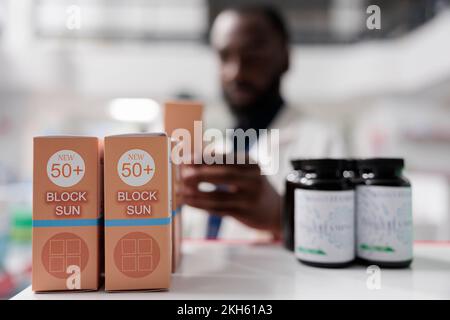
62, 251
137, 255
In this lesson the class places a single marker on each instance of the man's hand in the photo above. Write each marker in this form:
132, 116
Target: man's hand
241, 192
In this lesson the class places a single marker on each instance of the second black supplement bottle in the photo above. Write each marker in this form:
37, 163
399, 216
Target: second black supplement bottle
384, 214
324, 220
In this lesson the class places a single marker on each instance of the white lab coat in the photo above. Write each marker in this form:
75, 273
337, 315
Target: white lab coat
299, 137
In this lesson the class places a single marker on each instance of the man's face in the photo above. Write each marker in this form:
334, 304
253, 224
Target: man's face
252, 55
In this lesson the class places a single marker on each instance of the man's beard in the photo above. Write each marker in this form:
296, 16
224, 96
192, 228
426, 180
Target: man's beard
253, 114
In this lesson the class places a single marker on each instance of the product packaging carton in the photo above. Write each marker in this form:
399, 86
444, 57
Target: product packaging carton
67, 213
138, 239
185, 115
188, 116
176, 217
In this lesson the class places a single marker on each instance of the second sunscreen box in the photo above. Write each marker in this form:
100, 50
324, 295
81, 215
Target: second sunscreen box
67, 191
138, 239
176, 216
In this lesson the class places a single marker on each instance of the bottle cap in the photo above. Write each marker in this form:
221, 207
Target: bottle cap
375, 163
313, 164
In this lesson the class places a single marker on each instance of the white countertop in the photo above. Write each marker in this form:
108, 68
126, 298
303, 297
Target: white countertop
242, 270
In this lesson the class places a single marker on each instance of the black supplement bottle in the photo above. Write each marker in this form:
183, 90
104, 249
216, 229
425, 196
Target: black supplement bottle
292, 180
322, 201
384, 227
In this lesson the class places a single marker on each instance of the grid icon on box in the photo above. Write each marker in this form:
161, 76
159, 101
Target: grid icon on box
136, 255
64, 253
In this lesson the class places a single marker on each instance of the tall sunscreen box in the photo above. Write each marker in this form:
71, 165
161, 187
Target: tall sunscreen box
187, 116
67, 191
138, 239
181, 115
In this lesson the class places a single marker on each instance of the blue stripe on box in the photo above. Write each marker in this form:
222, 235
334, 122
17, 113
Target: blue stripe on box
66, 223
137, 222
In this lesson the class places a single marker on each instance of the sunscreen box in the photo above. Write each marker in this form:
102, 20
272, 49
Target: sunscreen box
176, 217
187, 116
67, 191
181, 115
138, 239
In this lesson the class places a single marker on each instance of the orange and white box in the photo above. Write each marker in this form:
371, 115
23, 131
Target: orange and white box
181, 115
176, 217
138, 240
185, 115
67, 191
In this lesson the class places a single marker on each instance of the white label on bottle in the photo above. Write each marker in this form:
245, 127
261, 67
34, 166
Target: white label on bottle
324, 225
384, 223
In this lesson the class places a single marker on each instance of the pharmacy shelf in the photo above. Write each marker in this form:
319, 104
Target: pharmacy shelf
245, 270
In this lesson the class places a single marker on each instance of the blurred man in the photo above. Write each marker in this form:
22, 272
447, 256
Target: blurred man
253, 47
